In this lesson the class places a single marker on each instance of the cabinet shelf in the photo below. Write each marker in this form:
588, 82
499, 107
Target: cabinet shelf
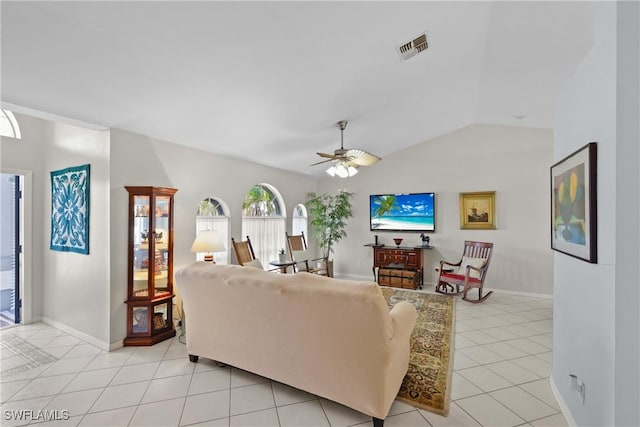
150, 267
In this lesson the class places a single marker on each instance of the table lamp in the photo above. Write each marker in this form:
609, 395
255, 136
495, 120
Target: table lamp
208, 241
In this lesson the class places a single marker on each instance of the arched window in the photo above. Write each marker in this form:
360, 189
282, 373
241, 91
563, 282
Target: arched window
263, 220
299, 220
9, 124
213, 214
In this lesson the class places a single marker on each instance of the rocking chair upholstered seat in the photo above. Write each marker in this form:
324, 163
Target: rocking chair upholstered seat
450, 276
467, 273
299, 253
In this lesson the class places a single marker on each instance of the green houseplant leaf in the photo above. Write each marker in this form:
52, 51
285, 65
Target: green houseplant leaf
329, 214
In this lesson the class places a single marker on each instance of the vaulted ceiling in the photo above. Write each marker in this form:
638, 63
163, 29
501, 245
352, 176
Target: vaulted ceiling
267, 81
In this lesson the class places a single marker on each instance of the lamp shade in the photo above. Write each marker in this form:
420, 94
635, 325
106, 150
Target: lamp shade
208, 241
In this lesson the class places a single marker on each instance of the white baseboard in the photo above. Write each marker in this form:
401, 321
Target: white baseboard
359, 277
524, 294
563, 406
502, 291
78, 334
116, 345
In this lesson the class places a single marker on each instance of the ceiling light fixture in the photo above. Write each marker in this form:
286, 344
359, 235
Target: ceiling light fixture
342, 169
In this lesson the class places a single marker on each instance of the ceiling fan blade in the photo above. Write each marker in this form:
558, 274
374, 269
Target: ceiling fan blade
362, 158
329, 156
347, 158
321, 162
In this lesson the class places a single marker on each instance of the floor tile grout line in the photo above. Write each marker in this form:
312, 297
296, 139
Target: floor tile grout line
470, 416
501, 376
106, 410
507, 408
105, 388
273, 394
324, 411
499, 389
536, 397
519, 367
207, 421
186, 397
40, 377
423, 417
506, 342
537, 355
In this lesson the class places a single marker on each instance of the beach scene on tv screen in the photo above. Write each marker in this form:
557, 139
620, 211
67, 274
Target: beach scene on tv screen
402, 212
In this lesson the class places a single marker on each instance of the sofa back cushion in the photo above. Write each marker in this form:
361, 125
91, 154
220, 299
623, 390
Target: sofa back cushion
250, 316
254, 263
330, 337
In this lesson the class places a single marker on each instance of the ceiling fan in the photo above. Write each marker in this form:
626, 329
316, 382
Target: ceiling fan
347, 161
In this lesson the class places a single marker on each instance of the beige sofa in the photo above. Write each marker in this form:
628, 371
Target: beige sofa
333, 338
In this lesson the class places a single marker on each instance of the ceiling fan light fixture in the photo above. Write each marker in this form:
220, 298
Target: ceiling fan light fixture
342, 170
346, 161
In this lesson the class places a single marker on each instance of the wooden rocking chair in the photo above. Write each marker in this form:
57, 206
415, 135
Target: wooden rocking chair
467, 273
245, 255
298, 252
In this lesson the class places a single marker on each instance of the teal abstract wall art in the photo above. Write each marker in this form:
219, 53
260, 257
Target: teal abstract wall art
70, 209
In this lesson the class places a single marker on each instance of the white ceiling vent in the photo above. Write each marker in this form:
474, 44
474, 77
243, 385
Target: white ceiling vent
413, 47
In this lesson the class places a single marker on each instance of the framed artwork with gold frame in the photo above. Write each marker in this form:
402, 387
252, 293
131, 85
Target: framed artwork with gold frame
478, 210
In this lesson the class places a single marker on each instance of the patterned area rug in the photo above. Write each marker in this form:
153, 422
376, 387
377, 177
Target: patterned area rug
427, 384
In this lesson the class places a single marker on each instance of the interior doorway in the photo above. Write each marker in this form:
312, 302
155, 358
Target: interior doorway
11, 248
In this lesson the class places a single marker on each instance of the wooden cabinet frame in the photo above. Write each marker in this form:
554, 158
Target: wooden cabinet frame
150, 266
401, 258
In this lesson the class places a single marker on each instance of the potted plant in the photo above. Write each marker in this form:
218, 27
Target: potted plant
329, 214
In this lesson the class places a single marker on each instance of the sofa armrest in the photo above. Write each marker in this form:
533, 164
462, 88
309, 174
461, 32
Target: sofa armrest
403, 316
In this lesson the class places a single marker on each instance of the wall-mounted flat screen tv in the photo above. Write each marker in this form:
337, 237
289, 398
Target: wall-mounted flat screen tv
402, 212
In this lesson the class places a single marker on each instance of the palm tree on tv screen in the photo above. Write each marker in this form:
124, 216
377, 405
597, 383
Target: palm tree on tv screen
386, 204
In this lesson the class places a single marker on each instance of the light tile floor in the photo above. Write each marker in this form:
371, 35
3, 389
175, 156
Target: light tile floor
501, 373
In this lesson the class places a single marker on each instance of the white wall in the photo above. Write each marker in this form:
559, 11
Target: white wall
26, 155
627, 390
140, 160
513, 161
74, 288
67, 288
86, 293
596, 312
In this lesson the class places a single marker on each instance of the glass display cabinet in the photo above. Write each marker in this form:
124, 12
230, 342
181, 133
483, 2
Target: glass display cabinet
150, 276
